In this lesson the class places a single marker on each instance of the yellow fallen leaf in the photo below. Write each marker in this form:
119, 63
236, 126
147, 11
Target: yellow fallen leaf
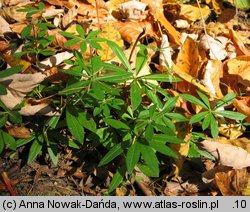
13, 61
193, 12
111, 33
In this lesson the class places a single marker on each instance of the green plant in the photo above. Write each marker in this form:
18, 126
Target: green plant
210, 116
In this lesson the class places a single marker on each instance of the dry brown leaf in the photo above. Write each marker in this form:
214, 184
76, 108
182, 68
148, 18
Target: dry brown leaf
69, 17
242, 105
211, 77
193, 12
5, 27
10, 14
237, 73
131, 30
227, 154
59, 40
18, 132
215, 48
52, 11
215, 29
133, 10
18, 85
38, 107
54, 60
3, 46
231, 183
188, 62
173, 34
13, 61
165, 58
231, 131
242, 49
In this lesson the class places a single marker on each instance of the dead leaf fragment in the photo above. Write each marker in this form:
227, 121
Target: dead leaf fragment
18, 132
227, 154
242, 105
133, 10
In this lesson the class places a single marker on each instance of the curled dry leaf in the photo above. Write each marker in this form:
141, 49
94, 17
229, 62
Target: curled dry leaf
231, 183
14, 2
133, 10
18, 85
54, 60
10, 14
211, 77
59, 40
38, 107
182, 24
165, 57
237, 73
69, 17
239, 42
51, 12
231, 131
215, 48
4, 27
242, 104
227, 154
18, 132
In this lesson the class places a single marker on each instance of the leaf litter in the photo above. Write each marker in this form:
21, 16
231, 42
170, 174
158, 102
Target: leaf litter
206, 49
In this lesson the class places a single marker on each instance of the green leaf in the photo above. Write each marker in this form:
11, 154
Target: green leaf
206, 122
1, 143
150, 158
141, 59
53, 153
135, 95
145, 169
8, 140
71, 42
23, 141
163, 138
74, 88
68, 34
83, 46
176, 116
163, 149
214, 127
194, 100
93, 34
198, 117
149, 132
132, 157
15, 117
115, 77
169, 105
242, 4
26, 32
162, 78
117, 179
226, 100
80, 30
116, 124
112, 154
10, 71
120, 54
73, 124
3, 90
41, 5
230, 114
35, 149
3, 120
204, 98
